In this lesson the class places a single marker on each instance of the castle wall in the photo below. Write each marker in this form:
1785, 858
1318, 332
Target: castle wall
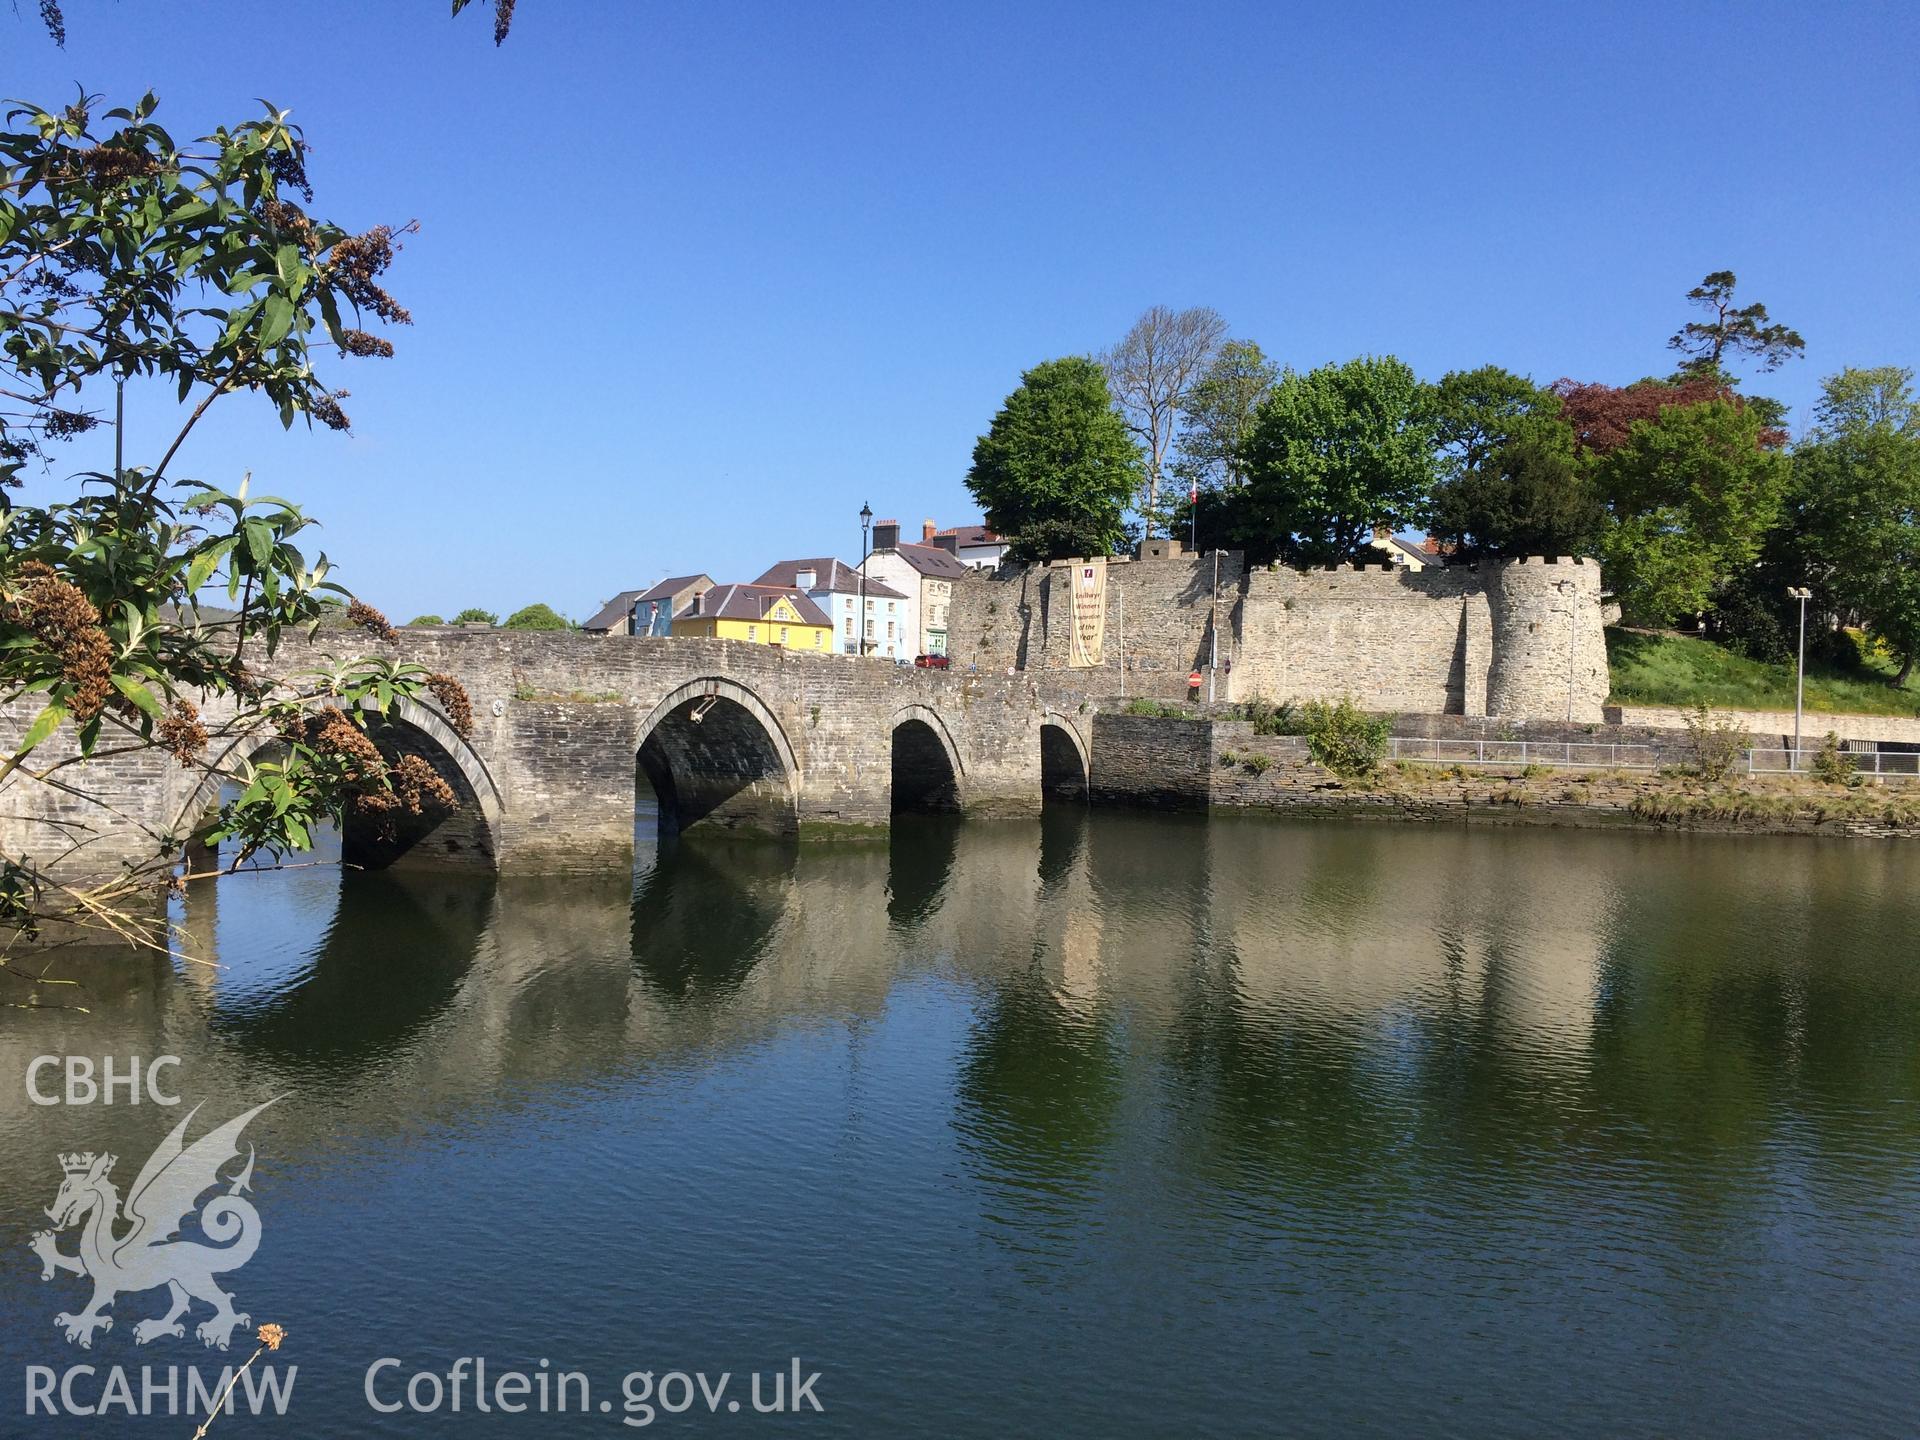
1393, 639
1460, 640
1158, 621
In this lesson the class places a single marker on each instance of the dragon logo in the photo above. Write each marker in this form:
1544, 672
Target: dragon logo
149, 1251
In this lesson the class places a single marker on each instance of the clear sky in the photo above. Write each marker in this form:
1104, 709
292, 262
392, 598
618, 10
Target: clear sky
694, 280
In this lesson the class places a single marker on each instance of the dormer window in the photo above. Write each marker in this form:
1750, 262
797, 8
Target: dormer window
805, 579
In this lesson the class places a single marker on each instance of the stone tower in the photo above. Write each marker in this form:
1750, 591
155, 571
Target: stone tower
1549, 643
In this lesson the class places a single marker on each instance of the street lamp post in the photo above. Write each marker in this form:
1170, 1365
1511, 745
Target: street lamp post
860, 618
1803, 594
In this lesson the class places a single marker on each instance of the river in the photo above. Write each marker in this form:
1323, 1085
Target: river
1097, 1126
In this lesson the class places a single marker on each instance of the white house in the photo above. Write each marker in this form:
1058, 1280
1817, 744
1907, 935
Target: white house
892, 616
974, 546
927, 573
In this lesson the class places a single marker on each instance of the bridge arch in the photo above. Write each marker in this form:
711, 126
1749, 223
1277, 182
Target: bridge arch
718, 757
928, 773
1066, 768
464, 838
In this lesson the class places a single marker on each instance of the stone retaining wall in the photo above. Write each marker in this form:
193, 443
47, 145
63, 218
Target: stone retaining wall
1247, 771
1776, 726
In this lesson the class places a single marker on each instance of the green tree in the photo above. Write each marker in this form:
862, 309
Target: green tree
1857, 503
1731, 331
1689, 497
1333, 454
537, 617
425, 620
1218, 413
1510, 482
1527, 496
474, 615
125, 255
1056, 468
1475, 412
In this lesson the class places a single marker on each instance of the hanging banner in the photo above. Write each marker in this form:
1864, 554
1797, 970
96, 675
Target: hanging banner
1089, 613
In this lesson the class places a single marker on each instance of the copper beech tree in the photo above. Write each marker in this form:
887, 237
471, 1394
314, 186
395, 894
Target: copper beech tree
127, 257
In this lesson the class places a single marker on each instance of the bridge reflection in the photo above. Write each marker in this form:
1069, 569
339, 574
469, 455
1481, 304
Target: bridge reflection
1320, 997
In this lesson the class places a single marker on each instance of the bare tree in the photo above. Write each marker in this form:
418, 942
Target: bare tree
1150, 372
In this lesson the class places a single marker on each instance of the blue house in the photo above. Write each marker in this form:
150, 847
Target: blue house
650, 611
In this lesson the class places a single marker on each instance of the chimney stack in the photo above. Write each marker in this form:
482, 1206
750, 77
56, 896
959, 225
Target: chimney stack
886, 534
926, 532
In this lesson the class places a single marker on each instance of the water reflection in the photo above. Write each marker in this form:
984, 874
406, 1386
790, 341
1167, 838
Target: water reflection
1453, 1095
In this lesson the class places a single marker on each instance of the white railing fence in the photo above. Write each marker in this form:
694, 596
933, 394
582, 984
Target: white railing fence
1874, 764
1589, 755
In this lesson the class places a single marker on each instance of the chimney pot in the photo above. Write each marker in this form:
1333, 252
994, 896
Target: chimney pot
926, 531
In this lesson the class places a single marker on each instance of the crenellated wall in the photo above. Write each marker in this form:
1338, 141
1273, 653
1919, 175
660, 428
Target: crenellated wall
1464, 640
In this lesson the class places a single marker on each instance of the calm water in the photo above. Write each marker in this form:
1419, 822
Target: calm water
1121, 1126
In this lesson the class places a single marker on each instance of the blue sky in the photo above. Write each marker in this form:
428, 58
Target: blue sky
694, 280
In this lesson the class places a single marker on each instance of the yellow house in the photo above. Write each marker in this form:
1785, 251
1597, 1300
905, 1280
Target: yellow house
758, 614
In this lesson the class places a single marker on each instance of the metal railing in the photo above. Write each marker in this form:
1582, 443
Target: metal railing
1871, 764
1581, 754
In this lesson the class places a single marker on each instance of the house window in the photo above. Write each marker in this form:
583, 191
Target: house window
869, 629
869, 604
819, 639
889, 629
753, 632
783, 634
849, 625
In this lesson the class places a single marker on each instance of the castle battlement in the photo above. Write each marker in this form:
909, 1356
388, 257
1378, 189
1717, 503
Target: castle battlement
1513, 637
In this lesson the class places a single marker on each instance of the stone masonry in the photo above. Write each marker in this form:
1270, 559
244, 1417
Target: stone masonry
731, 735
1520, 639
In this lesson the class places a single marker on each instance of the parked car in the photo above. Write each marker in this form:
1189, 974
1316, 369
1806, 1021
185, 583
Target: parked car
932, 662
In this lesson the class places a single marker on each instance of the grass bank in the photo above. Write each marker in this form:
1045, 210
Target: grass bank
1662, 669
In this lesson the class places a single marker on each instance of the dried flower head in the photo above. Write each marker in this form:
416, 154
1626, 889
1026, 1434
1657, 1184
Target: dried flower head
371, 621
273, 1336
291, 221
65, 424
181, 733
289, 167
66, 623
419, 790
359, 342
326, 409
105, 164
453, 699
355, 262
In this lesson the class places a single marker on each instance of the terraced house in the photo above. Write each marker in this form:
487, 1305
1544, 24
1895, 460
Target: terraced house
758, 614
836, 588
925, 573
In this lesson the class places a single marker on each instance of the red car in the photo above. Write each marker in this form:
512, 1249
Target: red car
932, 662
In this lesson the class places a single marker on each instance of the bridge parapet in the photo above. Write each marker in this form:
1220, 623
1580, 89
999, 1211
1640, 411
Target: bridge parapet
734, 736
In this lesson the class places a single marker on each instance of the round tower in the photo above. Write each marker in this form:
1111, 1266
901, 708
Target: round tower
1549, 658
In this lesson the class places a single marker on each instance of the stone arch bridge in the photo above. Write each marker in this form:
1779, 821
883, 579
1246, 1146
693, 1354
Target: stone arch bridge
731, 737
